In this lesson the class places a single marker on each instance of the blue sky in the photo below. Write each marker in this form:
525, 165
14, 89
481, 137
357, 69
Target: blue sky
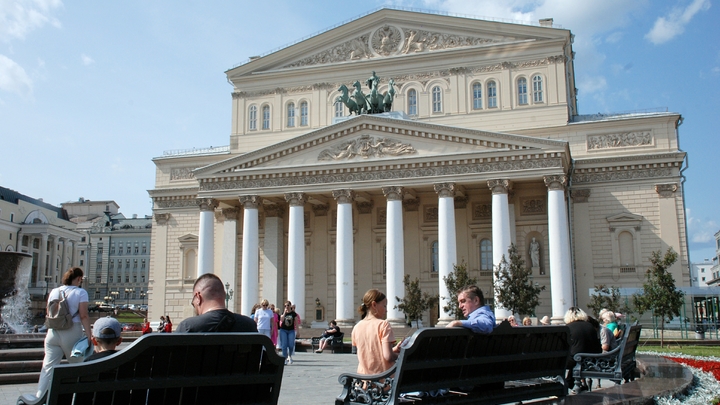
90, 92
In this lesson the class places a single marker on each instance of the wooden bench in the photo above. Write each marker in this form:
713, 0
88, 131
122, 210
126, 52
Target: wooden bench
336, 343
508, 365
617, 365
177, 368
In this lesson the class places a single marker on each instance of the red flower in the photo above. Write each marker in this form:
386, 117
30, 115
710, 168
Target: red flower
704, 365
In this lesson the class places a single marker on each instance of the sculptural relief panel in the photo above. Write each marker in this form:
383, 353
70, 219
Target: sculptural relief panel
619, 140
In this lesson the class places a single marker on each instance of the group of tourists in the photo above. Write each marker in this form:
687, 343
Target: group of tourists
281, 326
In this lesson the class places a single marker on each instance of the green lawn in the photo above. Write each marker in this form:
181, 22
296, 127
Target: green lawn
685, 349
129, 317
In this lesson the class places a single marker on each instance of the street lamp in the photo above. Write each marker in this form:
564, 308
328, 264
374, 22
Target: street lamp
228, 294
143, 294
114, 296
127, 295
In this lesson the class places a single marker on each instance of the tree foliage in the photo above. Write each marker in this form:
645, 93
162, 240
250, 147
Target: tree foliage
454, 282
607, 297
415, 302
514, 288
659, 294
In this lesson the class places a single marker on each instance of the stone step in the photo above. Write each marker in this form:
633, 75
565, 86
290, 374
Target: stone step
19, 378
21, 354
14, 367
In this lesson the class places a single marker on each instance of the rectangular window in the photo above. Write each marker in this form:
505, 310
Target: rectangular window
142, 264
127, 278
135, 264
134, 278
127, 263
81, 262
129, 249
137, 250
98, 278
97, 294
144, 249
111, 277
99, 266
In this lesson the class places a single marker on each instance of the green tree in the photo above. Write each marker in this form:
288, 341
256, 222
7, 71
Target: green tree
659, 294
607, 297
514, 288
455, 281
415, 301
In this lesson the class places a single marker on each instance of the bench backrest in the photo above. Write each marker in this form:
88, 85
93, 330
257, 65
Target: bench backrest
208, 368
437, 358
630, 341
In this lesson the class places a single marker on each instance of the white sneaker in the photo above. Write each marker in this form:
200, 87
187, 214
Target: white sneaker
286, 362
290, 361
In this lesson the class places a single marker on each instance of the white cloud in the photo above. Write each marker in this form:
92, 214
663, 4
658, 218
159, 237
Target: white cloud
672, 25
701, 230
593, 84
86, 60
13, 77
19, 17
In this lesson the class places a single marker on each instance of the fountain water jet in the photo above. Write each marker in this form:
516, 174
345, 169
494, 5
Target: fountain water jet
14, 297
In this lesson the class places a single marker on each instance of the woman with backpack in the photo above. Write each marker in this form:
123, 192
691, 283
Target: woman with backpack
67, 316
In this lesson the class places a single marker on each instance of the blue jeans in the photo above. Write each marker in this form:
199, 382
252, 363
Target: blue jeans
287, 342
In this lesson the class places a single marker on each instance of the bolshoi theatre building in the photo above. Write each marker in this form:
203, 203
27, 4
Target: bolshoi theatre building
404, 143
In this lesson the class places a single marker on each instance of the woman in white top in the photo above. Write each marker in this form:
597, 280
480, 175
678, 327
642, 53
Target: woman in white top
264, 318
59, 342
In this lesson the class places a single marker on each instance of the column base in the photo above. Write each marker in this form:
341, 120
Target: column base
398, 322
557, 320
345, 323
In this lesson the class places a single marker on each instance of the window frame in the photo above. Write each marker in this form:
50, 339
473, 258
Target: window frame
265, 117
491, 92
412, 102
538, 92
304, 114
522, 91
290, 115
252, 118
476, 91
437, 102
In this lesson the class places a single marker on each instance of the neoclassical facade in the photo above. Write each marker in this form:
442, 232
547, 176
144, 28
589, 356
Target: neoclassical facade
482, 148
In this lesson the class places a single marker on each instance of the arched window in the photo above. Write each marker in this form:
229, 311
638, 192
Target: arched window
304, 114
477, 96
537, 89
339, 108
252, 118
522, 91
291, 115
266, 117
486, 263
492, 94
436, 99
412, 102
435, 260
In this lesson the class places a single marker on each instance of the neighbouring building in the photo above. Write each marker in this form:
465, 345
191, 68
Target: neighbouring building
115, 251
483, 146
44, 231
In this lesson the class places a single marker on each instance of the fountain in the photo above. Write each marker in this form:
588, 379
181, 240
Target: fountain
14, 296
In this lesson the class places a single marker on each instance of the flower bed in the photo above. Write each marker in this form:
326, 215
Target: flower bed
705, 388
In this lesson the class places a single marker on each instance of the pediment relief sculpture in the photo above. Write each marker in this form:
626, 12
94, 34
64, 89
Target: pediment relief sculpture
390, 40
366, 146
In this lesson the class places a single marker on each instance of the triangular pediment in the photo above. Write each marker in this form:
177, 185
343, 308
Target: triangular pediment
624, 219
389, 33
376, 139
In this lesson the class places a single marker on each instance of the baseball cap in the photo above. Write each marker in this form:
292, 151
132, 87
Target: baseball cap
102, 324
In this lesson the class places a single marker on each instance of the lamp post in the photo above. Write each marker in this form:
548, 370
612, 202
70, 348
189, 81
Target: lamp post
228, 294
143, 294
114, 296
127, 295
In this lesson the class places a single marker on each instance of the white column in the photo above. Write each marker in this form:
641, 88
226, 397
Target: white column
447, 245
42, 260
344, 283
296, 252
395, 254
501, 234
63, 264
273, 254
73, 254
250, 254
52, 268
228, 258
206, 240
561, 279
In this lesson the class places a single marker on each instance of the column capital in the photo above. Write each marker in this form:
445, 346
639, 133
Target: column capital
556, 182
228, 214
343, 196
499, 186
666, 190
274, 210
445, 189
580, 195
206, 204
250, 201
296, 199
162, 219
393, 193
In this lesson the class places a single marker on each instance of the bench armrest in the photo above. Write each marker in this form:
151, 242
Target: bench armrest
366, 388
578, 357
27, 399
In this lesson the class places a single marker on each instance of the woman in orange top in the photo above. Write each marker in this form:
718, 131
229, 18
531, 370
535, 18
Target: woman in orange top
373, 335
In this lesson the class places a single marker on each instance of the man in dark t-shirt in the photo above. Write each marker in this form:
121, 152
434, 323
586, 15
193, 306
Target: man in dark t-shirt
208, 303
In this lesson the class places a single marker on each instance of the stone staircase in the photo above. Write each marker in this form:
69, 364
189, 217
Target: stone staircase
20, 366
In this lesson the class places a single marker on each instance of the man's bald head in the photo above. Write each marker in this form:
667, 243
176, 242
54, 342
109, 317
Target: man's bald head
212, 291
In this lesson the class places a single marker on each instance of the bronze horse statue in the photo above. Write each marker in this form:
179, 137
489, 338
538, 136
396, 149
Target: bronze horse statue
349, 103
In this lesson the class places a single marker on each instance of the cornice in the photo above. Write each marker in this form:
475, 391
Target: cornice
670, 156
383, 171
173, 192
621, 173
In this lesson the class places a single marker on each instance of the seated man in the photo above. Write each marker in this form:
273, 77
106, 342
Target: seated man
208, 303
480, 318
328, 336
106, 336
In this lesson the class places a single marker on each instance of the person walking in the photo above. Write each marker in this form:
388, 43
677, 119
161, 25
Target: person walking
288, 324
60, 342
264, 318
